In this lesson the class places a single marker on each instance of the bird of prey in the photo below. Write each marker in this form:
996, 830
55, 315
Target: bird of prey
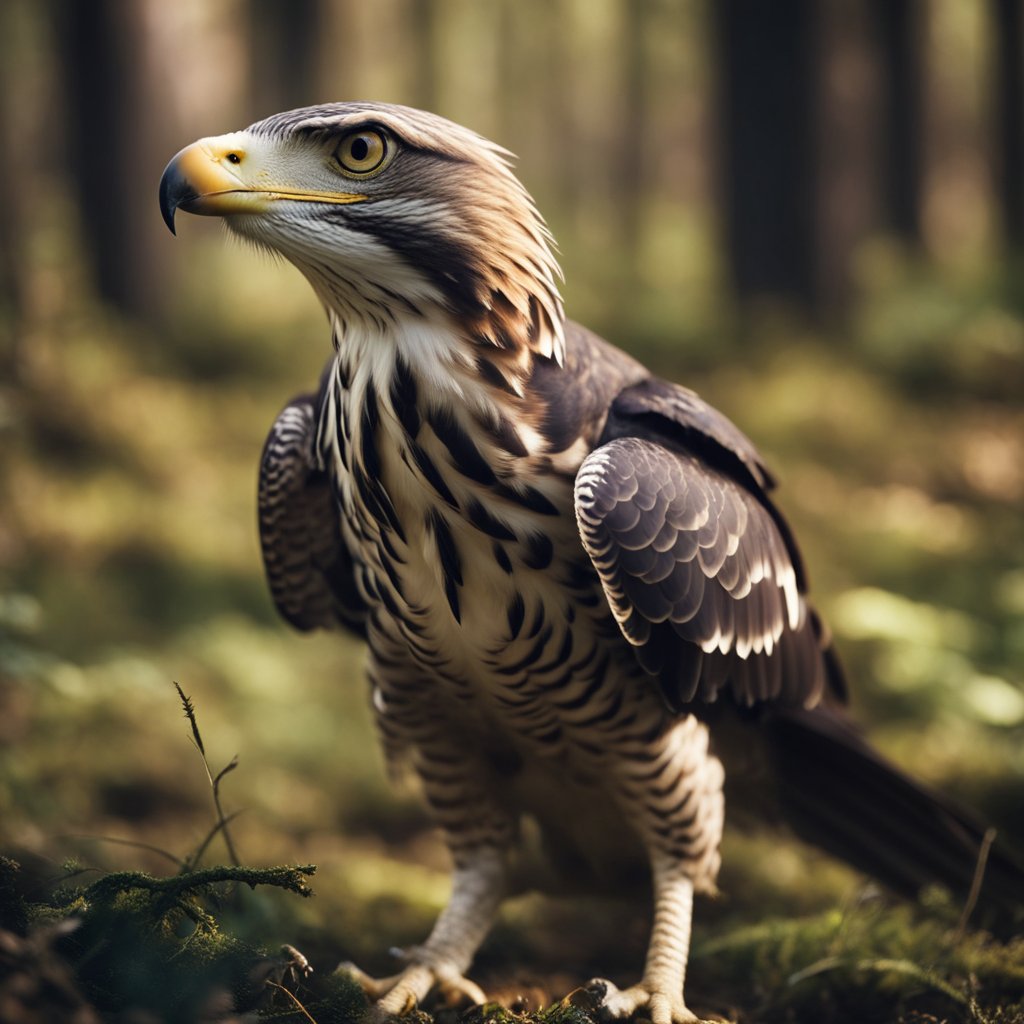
571, 576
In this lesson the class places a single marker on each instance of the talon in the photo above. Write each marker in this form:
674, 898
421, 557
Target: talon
398, 994
613, 1003
455, 988
373, 987
589, 997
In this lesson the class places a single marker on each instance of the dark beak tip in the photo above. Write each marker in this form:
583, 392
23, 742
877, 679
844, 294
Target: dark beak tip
175, 189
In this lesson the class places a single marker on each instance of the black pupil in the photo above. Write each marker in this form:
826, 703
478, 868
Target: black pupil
360, 149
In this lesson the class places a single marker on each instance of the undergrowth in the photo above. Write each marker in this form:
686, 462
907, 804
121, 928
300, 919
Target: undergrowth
128, 946
131, 946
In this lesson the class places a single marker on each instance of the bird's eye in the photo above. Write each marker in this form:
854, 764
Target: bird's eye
362, 152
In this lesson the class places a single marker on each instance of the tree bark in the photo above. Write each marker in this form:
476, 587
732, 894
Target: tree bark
766, 90
1009, 117
284, 38
119, 127
898, 29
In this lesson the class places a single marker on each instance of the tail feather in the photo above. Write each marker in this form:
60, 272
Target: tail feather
839, 793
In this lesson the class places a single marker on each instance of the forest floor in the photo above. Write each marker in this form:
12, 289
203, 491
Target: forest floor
130, 562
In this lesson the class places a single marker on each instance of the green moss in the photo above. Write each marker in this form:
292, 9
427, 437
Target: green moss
13, 909
137, 943
875, 962
564, 1012
342, 1001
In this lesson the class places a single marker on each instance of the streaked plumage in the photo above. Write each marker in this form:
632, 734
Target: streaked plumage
310, 570
563, 567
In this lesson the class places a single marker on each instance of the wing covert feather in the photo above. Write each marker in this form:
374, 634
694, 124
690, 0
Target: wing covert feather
698, 576
308, 567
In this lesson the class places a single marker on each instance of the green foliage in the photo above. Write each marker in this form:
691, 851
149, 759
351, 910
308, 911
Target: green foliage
340, 1001
876, 961
564, 1012
137, 943
129, 942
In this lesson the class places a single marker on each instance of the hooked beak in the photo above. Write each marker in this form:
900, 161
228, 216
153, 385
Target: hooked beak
203, 178
221, 176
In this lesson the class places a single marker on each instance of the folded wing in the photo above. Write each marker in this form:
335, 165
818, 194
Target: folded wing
698, 567
308, 566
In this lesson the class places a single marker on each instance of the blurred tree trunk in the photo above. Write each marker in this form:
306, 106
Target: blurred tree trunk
767, 87
467, 43
285, 40
120, 117
14, 181
24, 142
350, 63
1009, 117
848, 149
898, 30
424, 24
533, 117
632, 151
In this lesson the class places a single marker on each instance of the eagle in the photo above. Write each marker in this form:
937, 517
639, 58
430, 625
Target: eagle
578, 595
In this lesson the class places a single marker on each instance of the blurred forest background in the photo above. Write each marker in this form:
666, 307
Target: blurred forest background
811, 212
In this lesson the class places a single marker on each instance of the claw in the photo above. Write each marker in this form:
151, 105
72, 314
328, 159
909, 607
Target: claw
456, 989
398, 994
373, 987
613, 1003
589, 997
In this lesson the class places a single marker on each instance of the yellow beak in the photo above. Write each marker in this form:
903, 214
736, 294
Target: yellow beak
217, 177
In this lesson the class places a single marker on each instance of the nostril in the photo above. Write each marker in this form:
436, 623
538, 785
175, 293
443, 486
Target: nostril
234, 158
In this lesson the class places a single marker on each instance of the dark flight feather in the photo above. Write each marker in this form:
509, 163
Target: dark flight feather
840, 793
310, 571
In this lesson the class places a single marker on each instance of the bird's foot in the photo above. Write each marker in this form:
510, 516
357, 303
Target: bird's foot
612, 1003
402, 992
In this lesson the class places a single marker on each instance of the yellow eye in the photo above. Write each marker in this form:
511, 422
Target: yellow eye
362, 152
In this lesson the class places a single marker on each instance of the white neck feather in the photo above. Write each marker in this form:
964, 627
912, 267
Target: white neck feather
440, 359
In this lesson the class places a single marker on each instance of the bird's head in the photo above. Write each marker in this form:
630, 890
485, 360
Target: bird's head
390, 212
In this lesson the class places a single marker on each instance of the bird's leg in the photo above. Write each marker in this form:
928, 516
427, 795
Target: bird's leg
661, 989
478, 832
673, 795
478, 884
